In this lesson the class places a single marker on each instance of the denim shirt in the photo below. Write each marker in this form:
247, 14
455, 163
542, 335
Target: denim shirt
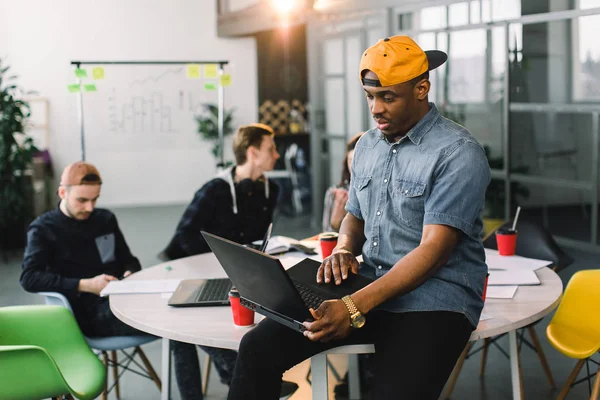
436, 174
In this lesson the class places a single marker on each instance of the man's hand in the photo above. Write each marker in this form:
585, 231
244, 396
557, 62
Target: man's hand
126, 274
332, 322
96, 284
336, 267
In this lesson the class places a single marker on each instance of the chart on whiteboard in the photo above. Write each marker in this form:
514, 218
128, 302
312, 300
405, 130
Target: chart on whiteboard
145, 107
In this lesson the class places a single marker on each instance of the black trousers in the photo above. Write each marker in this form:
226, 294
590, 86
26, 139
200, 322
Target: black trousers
415, 353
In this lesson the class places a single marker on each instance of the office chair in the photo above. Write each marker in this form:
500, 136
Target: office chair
44, 354
533, 241
112, 344
575, 328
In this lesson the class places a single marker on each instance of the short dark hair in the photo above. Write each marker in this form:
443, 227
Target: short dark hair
414, 81
249, 136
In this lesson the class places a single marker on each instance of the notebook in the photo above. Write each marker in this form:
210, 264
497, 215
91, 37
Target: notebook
282, 244
266, 287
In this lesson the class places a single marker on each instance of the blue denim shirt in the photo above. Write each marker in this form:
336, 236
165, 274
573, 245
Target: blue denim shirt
436, 174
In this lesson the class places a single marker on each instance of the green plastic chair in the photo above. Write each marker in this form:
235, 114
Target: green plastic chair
43, 354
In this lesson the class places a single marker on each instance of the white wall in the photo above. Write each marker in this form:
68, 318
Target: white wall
39, 38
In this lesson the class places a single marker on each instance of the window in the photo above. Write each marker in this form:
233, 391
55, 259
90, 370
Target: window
433, 18
466, 71
586, 54
405, 22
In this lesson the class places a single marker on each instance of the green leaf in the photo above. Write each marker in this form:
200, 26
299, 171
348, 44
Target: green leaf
16, 190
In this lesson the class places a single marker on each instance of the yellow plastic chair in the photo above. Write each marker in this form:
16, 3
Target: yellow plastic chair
43, 354
575, 328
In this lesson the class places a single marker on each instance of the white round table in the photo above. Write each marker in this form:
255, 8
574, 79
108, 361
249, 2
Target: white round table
213, 326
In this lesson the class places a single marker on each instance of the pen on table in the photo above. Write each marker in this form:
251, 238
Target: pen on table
266, 238
496, 269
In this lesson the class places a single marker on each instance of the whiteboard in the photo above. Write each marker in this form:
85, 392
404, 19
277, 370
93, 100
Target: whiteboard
139, 107
140, 131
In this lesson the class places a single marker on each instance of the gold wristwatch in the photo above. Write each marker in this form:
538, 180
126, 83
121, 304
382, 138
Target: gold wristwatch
357, 319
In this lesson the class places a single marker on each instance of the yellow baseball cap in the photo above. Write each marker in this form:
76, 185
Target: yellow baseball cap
398, 59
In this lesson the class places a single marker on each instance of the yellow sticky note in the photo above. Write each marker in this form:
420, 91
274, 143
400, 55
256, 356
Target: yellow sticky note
81, 73
98, 72
226, 80
193, 71
90, 87
73, 88
210, 86
210, 70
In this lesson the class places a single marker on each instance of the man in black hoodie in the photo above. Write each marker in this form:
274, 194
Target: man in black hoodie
238, 205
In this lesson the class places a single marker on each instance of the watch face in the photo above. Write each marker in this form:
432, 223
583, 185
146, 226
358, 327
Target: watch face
358, 320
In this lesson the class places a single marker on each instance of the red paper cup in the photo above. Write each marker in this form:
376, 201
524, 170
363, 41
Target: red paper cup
242, 316
485, 285
328, 241
507, 242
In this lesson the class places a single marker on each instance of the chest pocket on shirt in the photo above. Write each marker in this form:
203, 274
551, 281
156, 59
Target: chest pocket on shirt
409, 201
362, 193
106, 247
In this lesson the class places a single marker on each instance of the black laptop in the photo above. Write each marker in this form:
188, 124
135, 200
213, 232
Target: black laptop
266, 287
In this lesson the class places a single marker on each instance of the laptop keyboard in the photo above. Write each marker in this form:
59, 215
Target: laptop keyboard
213, 290
311, 299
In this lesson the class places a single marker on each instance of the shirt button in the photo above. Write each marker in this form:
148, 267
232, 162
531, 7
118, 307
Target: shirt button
378, 212
406, 191
394, 151
374, 243
379, 267
385, 181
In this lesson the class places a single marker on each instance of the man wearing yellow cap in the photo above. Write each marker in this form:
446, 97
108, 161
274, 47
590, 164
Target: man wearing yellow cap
416, 195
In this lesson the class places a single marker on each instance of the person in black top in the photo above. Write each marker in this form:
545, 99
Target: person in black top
76, 249
238, 205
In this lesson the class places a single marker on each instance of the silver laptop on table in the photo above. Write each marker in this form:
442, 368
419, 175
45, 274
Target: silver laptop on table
207, 292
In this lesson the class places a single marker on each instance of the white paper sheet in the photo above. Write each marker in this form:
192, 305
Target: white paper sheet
501, 292
512, 276
140, 286
494, 260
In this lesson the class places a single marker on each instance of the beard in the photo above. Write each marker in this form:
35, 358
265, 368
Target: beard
81, 215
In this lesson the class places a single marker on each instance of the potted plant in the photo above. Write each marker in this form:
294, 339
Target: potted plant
16, 153
208, 126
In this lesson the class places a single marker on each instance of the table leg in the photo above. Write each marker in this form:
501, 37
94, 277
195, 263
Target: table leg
166, 370
515, 367
318, 366
353, 377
